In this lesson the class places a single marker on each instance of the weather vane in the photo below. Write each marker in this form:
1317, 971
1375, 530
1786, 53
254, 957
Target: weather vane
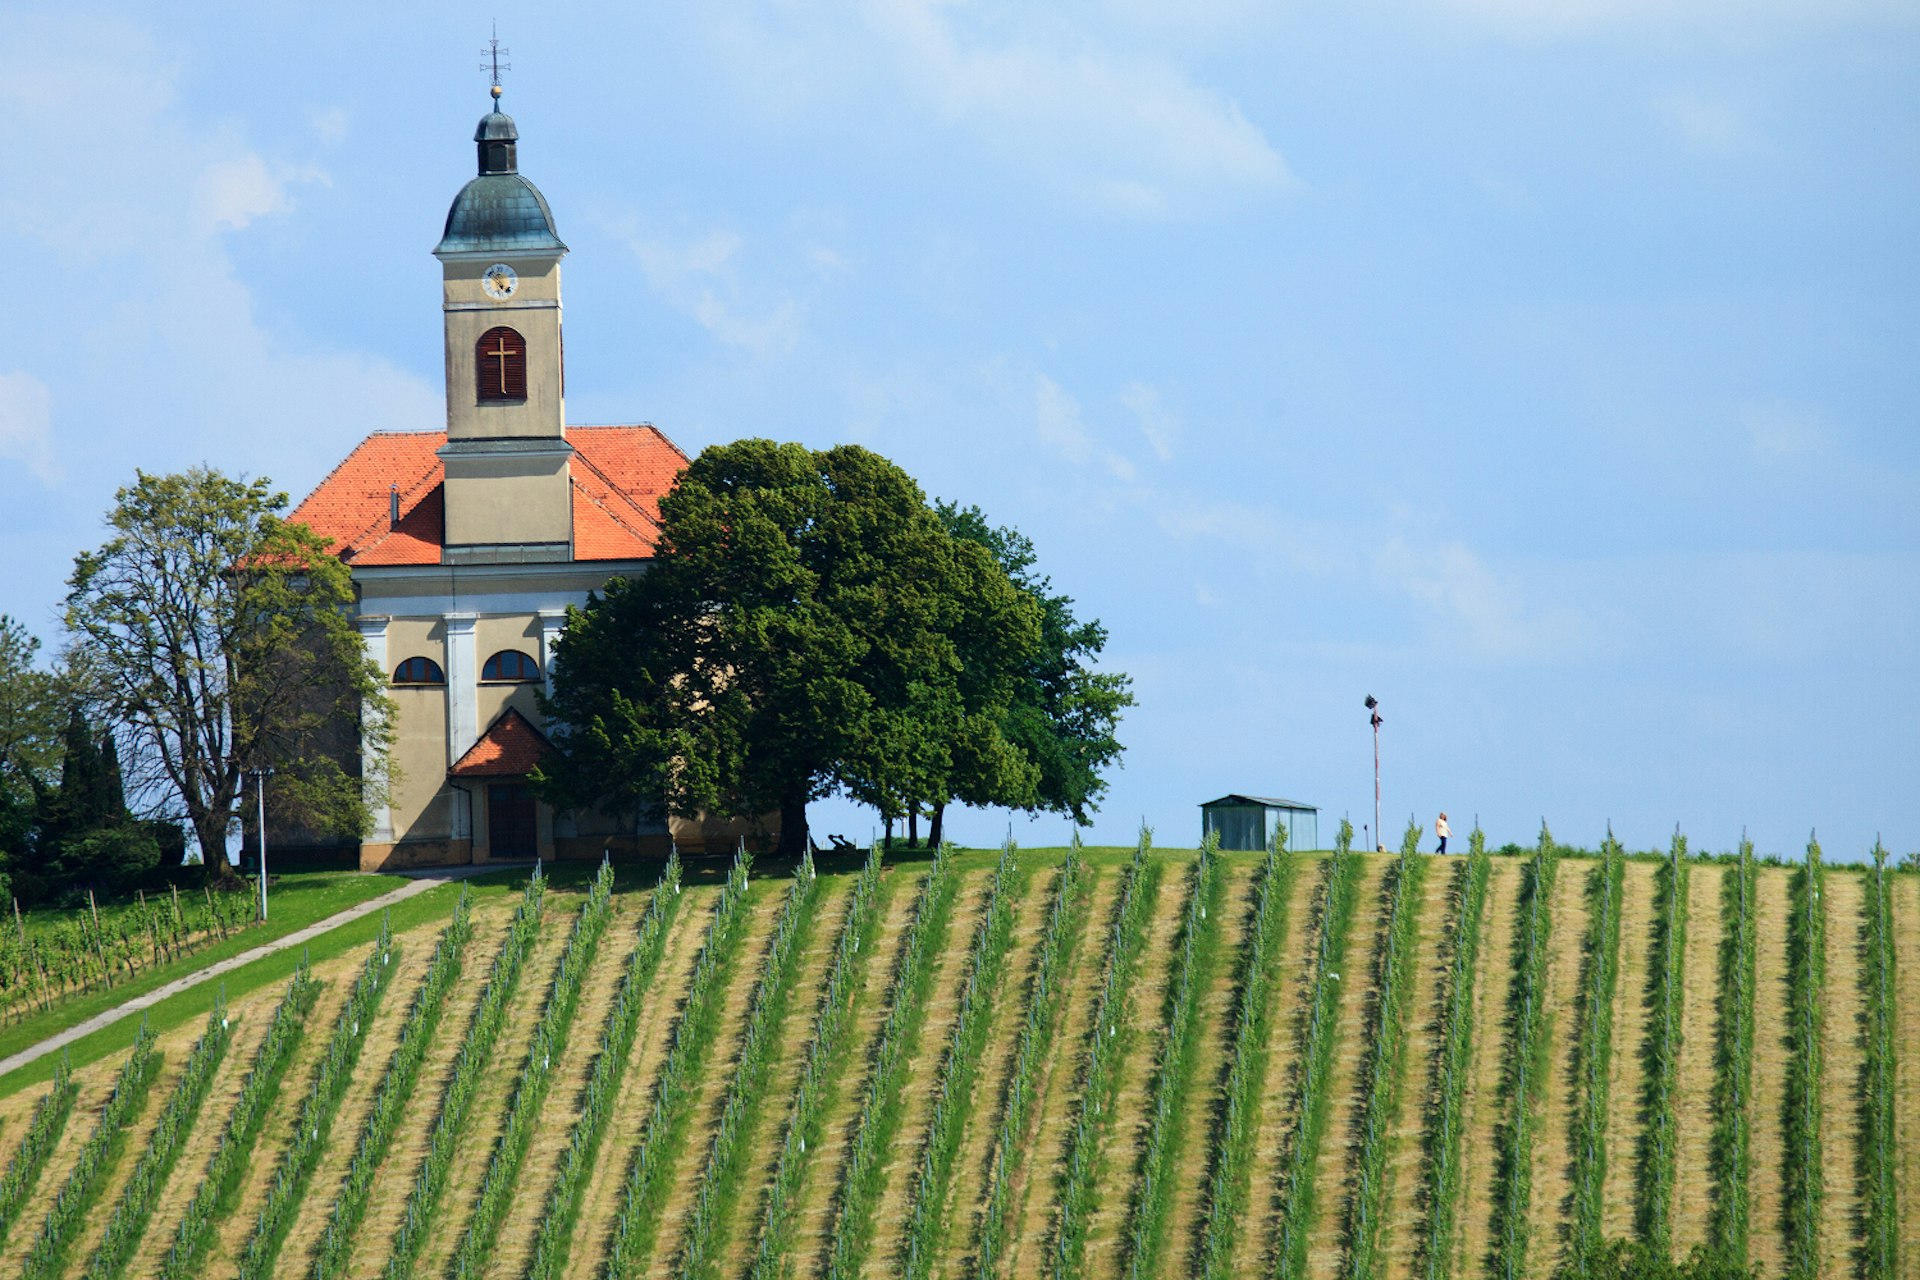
493, 66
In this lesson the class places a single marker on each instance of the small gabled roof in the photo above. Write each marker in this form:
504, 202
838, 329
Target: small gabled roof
1264, 801
510, 748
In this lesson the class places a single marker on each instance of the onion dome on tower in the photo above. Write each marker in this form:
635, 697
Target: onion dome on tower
499, 211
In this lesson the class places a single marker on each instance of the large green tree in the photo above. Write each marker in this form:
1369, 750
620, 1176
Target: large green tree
1062, 715
217, 635
32, 712
803, 629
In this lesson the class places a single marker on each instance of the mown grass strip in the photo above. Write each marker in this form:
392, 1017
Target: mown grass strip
1441, 1190
806, 1116
882, 1103
1806, 989
83, 1185
1523, 1071
128, 1221
1224, 1206
48, 1122
664, 1131
555, 1233
1593, 1055
463, 1081
1093, 1111
1298, 1190
1653, 1208
213, 1198
958, 1066
1878, 1151
1727, 1230
1386, 1044
392, 1095
720, 1176
315, 1120
472, 1254
1036, 1040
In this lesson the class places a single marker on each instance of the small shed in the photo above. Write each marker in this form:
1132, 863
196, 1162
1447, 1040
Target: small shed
1249, 822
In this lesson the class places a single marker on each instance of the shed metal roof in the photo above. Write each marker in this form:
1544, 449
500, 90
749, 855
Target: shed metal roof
1267, 801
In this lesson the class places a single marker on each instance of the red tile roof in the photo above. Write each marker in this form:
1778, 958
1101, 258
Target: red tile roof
619, 475
509, 748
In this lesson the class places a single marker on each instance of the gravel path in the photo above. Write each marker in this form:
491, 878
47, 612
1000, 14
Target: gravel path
417, 883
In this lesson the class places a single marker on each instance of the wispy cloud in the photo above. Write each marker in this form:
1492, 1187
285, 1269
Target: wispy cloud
1158, 423
1707, 125
1059, 425
26, 425
701, 277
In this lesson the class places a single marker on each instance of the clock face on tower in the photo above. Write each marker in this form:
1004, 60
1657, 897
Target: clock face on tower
499, 282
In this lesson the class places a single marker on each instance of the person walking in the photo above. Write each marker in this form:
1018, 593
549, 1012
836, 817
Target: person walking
1440, 829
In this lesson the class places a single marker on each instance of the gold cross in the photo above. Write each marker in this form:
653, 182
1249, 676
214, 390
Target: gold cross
501, 355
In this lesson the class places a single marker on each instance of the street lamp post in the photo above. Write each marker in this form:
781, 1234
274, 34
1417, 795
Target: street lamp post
260, 777
1373, 712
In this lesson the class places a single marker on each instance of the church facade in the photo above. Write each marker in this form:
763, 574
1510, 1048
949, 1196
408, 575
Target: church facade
467, 545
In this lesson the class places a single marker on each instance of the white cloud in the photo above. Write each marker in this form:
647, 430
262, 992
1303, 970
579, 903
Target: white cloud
1727, 18
234, 191
701, 277
1158, 423
1058, 422
1707, 125
26, 425
1127, 129
1777, 431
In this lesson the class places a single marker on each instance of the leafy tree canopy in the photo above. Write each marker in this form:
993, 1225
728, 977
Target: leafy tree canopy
1063, 715
216, 634
807, 626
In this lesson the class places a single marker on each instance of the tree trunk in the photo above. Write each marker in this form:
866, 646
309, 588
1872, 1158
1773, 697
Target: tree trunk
793, 829
213, 852
937, 825
913, 825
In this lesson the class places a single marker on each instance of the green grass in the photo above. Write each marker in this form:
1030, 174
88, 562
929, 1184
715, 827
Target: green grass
435, 905
293, 903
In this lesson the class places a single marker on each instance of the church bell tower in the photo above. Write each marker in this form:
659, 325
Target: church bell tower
508, 491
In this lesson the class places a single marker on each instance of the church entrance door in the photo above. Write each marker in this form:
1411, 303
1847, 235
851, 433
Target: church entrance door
510, 820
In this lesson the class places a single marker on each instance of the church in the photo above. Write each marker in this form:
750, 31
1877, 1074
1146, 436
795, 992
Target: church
467, 545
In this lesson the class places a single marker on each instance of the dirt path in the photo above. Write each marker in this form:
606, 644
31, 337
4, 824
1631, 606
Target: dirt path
1483, 1102
393, 1182
814, 1201
985, 1108
1694, 1071
923, 1064
1352, 1036
1767, 1200
487, 1112
95, 1082
1037, 1162
1403, 1217
220, 968
1275, 1113
709, 1094
1843, 1209
1549, 1209
1906, 1048
606, 1185
1626, 1071
316, 1202
1119, 1171
534, 1182
739, 1225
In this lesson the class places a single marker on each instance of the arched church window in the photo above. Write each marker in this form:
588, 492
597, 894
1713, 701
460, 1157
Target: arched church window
418, 671
510, 664
500, 361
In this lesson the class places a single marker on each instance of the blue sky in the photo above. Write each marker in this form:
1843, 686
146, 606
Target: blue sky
1546, 368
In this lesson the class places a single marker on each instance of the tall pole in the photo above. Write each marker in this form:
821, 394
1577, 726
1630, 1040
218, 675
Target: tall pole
1373, 708
260, 777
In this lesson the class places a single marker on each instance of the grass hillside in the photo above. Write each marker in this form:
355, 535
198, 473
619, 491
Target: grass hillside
1110, 1063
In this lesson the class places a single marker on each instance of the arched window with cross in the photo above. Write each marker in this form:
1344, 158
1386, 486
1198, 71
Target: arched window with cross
500, 361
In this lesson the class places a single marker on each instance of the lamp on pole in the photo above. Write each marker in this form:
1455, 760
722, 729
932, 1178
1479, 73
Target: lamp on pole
1373, 714
260, 777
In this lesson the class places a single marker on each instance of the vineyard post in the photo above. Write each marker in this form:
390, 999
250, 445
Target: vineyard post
99, 939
